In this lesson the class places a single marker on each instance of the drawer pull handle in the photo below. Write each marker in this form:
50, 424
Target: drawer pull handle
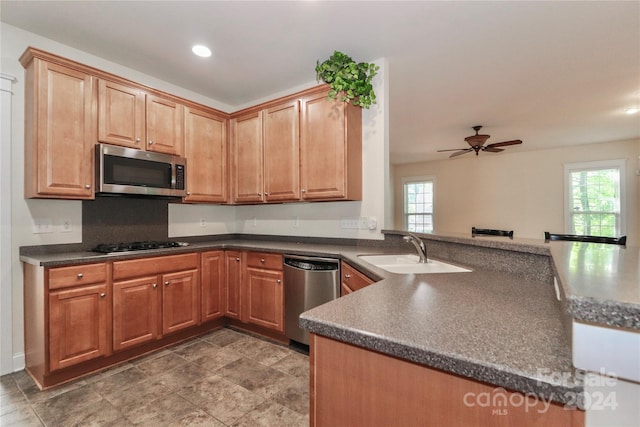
150, 142
87, 186
155, 285
80, 275
261, 259
102, 295
278, 281
347, 276
167, 283
237, 259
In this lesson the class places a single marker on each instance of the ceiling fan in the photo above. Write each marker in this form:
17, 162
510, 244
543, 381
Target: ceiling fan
477, 144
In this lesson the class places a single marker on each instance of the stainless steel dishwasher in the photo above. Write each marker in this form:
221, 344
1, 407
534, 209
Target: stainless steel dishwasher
308, 282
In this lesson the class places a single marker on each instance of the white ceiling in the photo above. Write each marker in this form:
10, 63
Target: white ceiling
549, 73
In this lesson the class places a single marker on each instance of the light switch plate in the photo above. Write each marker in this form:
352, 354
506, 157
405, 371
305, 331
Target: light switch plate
42, 225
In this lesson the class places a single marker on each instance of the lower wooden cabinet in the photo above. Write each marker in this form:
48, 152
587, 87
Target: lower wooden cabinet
264, 291
212, 282
233, 271
136, 312
154, 297
352, 280
78, 322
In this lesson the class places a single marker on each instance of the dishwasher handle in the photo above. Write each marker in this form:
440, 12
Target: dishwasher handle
310, 264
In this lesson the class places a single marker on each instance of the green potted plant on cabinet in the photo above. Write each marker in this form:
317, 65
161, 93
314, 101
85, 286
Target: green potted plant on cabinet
349, 79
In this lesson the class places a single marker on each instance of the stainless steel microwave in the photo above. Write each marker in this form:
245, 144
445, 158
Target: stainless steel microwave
121, 170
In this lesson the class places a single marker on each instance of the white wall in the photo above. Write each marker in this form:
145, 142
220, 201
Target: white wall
184, 220
515, 191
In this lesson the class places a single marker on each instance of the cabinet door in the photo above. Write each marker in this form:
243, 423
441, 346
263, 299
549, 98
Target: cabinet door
248, 182
180, 300
164, 126
265, 298
121, 111
59, 134
206, 153
77, 325
330, 149
136, 312
213, 285
352, 280
281, 152
233, 294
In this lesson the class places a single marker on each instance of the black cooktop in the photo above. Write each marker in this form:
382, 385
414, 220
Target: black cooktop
107, 248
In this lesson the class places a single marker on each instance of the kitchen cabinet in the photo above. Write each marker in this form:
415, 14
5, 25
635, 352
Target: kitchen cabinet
281, 152
352, 279
392, 391
66, 317
248, 175
330, 149
212, 280
205, 143
59, 129
266, 154
131, 117
234, 266
154, 297
264, 290
78, 315
136, 312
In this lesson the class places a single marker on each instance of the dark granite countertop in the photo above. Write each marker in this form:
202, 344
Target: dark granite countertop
493, 326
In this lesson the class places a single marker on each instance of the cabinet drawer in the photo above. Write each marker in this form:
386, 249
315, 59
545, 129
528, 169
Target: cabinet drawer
352, 279
264, 260
157, 265
65, 277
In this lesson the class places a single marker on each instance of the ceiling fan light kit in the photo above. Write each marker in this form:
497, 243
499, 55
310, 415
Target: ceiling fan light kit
477, 141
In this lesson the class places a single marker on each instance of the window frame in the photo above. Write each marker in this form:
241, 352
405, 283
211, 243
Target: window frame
619, 164
413, 180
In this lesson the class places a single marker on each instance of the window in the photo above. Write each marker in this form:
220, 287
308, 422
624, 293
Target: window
594, 204
418, 204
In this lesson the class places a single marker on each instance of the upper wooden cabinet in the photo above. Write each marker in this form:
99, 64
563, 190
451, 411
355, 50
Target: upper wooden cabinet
59, 130
205, 143
121, 115
330, 149
281, 152
130, 117
246, 147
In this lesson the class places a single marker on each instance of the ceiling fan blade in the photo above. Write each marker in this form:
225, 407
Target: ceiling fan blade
461, 152
455, 149
505, 143
493, 149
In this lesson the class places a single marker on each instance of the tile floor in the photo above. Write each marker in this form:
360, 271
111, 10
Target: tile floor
225, 378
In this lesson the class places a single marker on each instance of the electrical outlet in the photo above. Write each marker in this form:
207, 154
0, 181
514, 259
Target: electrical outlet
296, 222
65, 226
203, 222
42, 225
348, 223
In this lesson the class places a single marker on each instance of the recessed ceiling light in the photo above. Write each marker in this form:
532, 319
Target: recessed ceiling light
632, 110
201, 51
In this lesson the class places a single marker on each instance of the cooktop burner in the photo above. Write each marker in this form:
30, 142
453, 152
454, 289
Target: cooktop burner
107, 248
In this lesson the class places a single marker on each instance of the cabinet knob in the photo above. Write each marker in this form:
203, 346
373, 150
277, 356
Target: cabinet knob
278, 281
237, 259
87, 186
347, 276
261, 259
80, 275
266, 194
137, 139
303, 190
102, 295
150, 142
155, 285
188, 193
167, 283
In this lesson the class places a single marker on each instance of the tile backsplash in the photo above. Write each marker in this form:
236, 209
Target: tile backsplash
112, 219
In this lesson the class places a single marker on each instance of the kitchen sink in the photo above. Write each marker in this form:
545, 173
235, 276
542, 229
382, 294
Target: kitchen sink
409, 264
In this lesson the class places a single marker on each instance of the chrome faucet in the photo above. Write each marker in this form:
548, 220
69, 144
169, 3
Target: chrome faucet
419, 244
